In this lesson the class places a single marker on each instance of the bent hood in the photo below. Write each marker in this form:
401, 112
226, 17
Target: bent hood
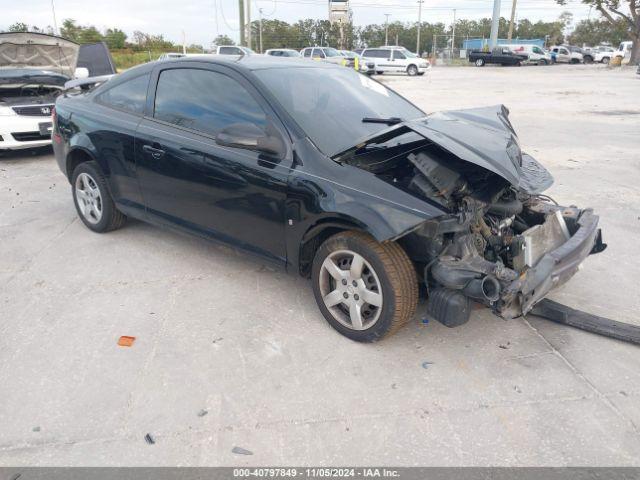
485, 137
38, 51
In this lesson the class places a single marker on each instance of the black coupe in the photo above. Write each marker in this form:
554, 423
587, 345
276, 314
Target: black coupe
332, 175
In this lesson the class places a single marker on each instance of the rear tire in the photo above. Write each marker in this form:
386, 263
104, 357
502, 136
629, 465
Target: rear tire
480, 62
352, 267
92, 199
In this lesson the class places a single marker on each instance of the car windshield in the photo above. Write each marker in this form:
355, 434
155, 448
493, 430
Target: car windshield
331, 52
329, 104
409, 54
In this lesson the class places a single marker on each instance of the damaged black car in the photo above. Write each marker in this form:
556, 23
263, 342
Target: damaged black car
332, 175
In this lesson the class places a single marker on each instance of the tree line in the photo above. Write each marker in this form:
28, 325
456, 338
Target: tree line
303, 33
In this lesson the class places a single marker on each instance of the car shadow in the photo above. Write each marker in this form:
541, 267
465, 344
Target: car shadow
8, 155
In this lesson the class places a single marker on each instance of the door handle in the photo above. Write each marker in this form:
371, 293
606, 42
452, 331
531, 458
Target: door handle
156, 153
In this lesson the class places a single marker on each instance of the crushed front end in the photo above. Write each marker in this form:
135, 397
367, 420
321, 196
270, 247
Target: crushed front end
499, 241
506, 255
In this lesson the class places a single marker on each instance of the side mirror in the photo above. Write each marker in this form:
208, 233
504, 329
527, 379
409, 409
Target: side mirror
250, 137
81, 72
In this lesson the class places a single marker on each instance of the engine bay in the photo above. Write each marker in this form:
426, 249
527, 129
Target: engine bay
491, 232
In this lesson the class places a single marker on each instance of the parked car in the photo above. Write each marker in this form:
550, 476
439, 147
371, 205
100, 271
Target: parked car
283, 52
327, 54
234, 50
534, 53
587, 55
562, 54
34, 68
395, 60
499, 55
367, 67
348, 53
331, 55
367, 201
603, 54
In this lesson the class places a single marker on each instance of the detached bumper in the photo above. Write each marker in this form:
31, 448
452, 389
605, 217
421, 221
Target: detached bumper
553, 269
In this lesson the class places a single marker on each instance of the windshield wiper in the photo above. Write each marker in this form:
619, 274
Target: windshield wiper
385, 121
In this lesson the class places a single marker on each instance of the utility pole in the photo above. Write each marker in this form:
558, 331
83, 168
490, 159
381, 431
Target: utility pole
495, 23
241, 14
184, 43
420, 2
453, 34
55, 22
248, 23
386, 30
260, 12
513, 18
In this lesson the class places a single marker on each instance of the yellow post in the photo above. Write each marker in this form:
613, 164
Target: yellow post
355, 64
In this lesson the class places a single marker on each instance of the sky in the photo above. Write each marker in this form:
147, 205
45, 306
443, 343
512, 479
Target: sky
202, 20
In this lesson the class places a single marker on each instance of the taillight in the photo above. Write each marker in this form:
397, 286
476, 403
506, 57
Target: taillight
54, 127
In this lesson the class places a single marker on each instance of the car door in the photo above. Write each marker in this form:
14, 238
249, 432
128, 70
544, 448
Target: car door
189, 180
381, 57
120, 108
398, 61
564, 55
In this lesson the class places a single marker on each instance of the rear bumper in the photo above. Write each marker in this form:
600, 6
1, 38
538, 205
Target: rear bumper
554, 269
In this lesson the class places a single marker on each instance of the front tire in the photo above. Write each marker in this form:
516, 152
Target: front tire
605, 60
480, 62
92, 199
412, 70
366, 290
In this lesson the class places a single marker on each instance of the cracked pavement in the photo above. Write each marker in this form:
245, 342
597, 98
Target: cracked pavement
232, 352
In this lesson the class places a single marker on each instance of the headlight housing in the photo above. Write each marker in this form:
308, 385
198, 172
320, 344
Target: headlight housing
6, 111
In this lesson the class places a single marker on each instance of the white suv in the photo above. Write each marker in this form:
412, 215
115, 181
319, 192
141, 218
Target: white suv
396, 60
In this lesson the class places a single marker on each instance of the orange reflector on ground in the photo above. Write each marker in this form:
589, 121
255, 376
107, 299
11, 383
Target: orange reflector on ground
125, 341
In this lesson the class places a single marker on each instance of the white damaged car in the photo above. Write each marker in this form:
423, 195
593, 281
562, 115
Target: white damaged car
33, 70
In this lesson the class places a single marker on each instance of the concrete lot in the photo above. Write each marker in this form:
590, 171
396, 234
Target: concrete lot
231, 353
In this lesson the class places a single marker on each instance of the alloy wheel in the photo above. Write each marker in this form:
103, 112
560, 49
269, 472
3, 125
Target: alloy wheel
88, 198
351, 289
